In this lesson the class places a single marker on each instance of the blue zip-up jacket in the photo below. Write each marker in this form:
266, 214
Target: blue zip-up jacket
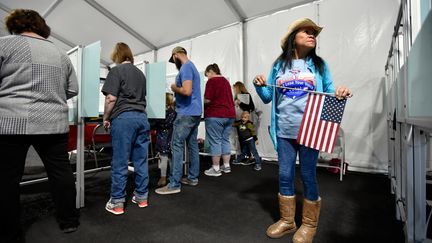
324, 83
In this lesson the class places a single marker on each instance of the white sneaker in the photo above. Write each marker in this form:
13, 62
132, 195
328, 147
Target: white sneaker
213, 172
167, 190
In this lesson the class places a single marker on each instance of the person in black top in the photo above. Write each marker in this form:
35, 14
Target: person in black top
125, 113
242, 104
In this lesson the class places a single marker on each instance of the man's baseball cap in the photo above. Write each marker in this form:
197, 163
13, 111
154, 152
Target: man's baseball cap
177, 49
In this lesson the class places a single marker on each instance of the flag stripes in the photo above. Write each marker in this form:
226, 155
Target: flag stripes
321, 121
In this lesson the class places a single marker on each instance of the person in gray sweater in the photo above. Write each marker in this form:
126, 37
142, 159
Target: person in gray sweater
36, 79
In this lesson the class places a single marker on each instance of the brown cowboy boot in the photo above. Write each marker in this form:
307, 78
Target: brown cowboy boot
311, 212
286, 223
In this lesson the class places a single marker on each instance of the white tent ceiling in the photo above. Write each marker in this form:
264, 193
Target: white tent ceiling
145, 25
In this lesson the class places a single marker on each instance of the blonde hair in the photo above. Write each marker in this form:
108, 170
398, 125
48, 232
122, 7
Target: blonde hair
239, 86
169, 100
245, 113
121, 53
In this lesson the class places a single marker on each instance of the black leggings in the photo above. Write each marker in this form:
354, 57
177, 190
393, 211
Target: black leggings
52, 149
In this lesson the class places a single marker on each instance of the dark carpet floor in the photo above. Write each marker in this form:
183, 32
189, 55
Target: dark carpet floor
236, 207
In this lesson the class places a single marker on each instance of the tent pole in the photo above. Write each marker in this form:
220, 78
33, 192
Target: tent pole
243, 56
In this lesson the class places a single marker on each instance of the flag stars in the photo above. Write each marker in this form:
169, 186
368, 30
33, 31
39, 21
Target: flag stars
333, 109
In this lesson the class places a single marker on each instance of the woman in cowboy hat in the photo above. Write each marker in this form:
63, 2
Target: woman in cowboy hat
298, 67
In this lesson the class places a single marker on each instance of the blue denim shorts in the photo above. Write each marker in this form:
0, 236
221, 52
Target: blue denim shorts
217, 134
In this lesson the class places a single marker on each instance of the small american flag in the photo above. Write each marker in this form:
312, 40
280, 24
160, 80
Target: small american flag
321, 121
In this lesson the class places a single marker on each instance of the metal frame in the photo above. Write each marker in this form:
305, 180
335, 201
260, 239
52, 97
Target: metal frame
343, 164
408, 140
80, 186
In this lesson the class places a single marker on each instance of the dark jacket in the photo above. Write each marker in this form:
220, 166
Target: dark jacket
245, 131
164, 128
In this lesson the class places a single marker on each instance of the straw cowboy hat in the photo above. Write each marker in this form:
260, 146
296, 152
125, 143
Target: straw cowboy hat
300, 23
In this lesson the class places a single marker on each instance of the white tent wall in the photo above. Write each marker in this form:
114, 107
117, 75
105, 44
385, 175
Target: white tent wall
220, 46
164, 54
145, 57
3, 33
357, 49
263, 37
355, 43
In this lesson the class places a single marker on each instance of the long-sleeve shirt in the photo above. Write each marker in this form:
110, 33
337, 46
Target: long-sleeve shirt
323, 82
36, 79
221, 104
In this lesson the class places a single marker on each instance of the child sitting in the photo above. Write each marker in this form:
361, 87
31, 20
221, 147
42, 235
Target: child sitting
248, 139
164, 128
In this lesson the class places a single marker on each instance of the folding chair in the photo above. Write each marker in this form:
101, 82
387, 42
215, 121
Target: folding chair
338, 154
101, 139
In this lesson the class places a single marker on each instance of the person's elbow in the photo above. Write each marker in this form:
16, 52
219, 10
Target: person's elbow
266, 101
110, 99
266, 98
264, 93
187, 92
186, 88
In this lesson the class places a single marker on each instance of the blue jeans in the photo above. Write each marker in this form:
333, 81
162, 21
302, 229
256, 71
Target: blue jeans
249, 147
185, 129
218, 133
287, 154
130, 140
